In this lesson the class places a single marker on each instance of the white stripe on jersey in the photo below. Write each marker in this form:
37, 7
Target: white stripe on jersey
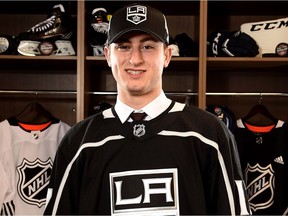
67, 171
177, 107
220, 158
243, 209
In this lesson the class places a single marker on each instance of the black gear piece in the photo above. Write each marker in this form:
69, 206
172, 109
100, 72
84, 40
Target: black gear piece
214, 43
234, 43
241, 44
187, 47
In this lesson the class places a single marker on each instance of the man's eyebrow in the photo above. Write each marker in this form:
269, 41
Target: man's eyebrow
149, 38
127, 40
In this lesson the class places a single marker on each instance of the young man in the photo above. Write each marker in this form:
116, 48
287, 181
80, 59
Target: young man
179, 160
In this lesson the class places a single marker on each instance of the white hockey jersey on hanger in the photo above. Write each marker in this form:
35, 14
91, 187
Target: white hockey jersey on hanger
26, 158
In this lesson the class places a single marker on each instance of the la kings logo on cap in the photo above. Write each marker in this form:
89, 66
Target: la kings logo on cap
33, 181
136, 14
144, 192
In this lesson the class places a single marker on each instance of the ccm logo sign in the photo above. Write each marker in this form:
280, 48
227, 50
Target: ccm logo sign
143, 192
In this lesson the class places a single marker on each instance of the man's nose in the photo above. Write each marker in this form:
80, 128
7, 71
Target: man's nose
136, 57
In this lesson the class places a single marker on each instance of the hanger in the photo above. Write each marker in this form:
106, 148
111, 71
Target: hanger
34, 113
259, 115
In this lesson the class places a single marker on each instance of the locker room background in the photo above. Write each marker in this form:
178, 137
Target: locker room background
71, 87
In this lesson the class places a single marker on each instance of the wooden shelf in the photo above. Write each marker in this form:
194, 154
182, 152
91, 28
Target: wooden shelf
240, 63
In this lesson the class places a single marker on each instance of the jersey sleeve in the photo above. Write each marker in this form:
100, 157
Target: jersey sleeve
7, 171
65, 153
58, 172
225, 190
241, 200
226, 167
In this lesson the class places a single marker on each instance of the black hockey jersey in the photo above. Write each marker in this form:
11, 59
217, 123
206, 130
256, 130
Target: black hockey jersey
178, 163
26, 158
263, 153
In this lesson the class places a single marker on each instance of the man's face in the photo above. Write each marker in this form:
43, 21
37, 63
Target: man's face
137, 60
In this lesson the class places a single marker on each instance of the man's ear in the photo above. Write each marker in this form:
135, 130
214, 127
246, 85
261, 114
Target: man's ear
107, 55
168, 56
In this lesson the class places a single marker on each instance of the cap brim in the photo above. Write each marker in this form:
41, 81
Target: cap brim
120, 34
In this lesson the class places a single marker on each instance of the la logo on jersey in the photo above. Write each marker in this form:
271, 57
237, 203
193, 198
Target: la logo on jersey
136, 14
33, 181
144, 192
260, 186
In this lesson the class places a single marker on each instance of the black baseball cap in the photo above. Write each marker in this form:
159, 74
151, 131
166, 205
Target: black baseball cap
138, 17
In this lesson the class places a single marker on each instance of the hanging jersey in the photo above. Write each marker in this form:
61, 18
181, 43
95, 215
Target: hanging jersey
7, 173
224, 114
27, 154
263, 153
178, 163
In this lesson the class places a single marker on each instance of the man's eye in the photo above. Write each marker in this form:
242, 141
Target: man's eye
147, 47
123, 47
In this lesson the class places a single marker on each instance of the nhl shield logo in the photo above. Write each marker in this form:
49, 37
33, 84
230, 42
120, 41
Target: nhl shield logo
260, 183
139, 130
136, 14
33, 181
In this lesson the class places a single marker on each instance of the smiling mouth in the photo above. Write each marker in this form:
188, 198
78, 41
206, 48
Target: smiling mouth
135, 72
